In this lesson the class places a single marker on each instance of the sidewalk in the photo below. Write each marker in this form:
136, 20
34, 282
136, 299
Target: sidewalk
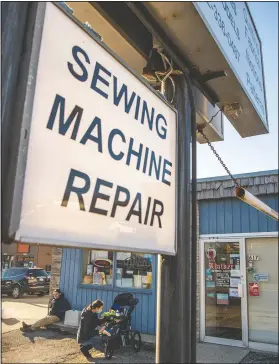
46, 346
209, 353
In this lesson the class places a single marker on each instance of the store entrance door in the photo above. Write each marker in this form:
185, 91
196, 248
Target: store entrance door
223, 291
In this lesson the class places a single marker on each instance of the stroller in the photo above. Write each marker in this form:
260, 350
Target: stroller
122, 335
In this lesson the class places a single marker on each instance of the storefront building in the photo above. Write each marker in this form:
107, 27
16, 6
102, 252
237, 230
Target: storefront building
237, 283
26, 255
239, 264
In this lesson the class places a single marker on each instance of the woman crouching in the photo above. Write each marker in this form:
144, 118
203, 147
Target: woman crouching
88, 330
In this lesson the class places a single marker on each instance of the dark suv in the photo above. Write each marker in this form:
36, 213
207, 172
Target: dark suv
17, 281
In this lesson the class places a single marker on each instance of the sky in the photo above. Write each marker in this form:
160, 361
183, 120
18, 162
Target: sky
257, 153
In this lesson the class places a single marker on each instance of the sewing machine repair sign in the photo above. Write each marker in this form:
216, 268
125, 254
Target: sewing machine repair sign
101, 162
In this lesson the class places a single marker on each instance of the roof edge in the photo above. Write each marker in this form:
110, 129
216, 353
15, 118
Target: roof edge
243, 175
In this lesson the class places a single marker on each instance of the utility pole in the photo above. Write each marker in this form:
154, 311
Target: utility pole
173, 340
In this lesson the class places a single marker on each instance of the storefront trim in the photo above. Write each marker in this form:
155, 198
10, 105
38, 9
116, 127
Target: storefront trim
219, 341
263, 347
241, 235
115, 289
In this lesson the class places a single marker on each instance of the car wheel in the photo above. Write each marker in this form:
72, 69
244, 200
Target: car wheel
17, 293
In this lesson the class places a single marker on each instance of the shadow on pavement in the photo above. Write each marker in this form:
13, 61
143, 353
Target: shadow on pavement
53, 334
10, 321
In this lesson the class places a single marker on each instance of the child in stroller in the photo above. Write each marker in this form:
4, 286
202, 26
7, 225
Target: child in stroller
118, 333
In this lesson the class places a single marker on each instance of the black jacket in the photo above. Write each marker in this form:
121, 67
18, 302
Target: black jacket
59, 307
87, 326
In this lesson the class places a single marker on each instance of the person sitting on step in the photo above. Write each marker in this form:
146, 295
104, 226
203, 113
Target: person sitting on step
58, 308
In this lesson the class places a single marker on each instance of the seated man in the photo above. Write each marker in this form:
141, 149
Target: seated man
59, 306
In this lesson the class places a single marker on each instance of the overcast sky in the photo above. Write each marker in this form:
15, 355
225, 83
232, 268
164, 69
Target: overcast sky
257, 153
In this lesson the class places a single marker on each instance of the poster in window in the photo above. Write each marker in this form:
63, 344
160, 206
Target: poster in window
222, 299
254, 290
210, 284
234, 292
222, 279
234, 282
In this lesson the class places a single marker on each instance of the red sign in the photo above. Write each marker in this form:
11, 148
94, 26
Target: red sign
254, 289
221, 266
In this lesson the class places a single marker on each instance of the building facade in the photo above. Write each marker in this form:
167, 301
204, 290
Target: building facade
26, 255
237, 278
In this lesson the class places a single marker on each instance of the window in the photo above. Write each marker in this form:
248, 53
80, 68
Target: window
14, 273
97, 267
38, 272
131, 270
23, 248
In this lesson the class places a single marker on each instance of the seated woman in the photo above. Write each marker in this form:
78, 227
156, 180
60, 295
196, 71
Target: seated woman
88, 330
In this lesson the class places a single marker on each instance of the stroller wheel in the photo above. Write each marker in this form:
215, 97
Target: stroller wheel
108, 352
136, 341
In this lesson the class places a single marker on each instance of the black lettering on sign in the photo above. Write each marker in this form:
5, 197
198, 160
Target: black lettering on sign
133, 210
97, 194
96, 123
157, 213
117, 201
79, 184
76, 114
76, 51
70, 188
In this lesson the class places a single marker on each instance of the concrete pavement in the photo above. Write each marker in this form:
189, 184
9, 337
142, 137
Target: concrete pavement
27, 308
37, 347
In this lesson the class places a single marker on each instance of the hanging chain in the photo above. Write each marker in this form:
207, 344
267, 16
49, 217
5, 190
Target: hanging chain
218, 157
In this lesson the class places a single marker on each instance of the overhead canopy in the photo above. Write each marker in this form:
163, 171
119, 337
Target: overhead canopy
221, 36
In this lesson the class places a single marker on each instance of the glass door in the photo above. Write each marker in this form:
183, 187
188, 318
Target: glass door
224, 293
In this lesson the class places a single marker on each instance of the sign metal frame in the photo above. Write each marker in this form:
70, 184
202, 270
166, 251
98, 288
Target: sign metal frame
26, 126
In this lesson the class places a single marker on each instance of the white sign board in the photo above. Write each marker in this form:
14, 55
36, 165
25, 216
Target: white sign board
101, 165
233, 29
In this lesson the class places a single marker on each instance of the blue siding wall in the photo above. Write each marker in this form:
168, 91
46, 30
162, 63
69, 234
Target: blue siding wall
230, 215
144, 315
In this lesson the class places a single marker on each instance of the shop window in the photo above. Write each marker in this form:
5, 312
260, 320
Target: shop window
97, 267
133, 270
23, 248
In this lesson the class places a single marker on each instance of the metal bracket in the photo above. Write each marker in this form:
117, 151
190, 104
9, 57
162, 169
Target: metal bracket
208, 76
66, 7
88, 27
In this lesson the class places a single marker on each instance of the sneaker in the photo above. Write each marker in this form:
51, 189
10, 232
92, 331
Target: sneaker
84, 350
26, 329
24, 325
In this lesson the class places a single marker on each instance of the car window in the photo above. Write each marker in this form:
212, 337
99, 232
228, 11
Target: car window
13, 273
38, 272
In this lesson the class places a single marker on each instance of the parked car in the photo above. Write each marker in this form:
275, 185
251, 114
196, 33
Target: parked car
17, 281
